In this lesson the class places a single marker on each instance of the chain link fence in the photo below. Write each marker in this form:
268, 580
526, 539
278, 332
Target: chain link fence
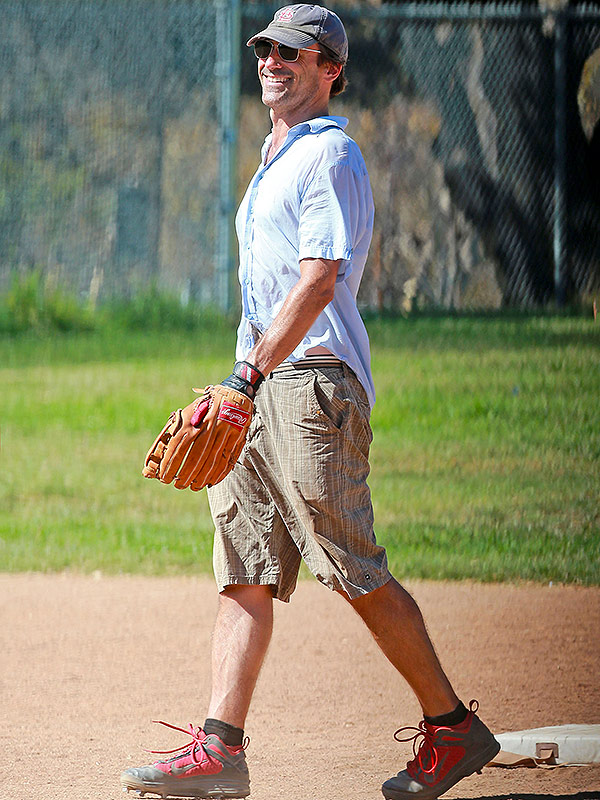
129, 129
485, 182
109, 144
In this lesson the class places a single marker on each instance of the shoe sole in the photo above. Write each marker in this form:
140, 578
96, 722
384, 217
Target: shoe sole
475, 764
199, 788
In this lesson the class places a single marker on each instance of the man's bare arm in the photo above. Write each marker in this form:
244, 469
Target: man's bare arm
302, 306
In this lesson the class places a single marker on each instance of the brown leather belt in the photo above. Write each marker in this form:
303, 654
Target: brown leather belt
317, 361
313, 361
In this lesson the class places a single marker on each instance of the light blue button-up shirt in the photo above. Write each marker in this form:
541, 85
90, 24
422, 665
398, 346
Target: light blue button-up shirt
312, 200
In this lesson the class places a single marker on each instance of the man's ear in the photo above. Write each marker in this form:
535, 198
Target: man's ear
332, 70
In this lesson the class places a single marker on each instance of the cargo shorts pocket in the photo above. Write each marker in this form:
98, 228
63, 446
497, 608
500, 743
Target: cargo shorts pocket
342, 405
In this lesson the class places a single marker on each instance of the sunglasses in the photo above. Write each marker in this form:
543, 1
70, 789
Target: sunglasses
263, 49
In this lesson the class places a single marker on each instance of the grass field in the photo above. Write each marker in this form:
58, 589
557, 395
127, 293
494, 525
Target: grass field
485, 461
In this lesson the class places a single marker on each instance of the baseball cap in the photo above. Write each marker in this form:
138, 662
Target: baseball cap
302, 25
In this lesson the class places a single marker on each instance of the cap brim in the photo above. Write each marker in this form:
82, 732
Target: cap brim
285, 36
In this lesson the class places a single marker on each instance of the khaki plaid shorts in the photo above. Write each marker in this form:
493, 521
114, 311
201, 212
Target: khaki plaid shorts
299, 489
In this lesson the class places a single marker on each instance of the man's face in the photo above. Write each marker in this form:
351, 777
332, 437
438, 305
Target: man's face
289, 86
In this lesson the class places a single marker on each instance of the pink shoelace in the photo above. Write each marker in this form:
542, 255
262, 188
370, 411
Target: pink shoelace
423, 742
423, 746
197, 736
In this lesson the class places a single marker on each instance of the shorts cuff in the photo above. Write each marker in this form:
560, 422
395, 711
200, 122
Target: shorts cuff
279, 592
354, 591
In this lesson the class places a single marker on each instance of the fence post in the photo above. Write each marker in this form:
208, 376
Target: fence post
227, 69
560, 156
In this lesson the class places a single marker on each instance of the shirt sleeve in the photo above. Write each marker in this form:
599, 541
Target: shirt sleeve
332, 214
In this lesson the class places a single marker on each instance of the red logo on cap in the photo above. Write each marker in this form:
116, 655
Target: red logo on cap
285, 15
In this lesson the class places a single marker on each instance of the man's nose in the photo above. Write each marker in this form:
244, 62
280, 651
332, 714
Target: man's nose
273, 58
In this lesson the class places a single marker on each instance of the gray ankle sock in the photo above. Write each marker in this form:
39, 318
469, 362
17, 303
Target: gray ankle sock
229, 734
449, 720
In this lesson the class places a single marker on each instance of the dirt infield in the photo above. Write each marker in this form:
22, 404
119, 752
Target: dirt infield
88, 662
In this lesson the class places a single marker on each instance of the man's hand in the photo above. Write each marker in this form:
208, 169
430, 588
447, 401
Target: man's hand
200, 444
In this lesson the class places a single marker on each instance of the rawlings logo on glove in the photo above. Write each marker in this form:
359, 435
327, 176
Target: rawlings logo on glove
234, 415
200, 444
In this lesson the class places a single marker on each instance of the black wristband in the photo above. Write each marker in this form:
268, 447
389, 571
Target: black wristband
245, 378
249, 373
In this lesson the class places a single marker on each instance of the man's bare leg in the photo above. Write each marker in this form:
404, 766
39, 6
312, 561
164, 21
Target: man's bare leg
240, 641
397, 626
214, 762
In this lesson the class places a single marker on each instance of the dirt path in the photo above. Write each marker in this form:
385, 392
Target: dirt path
88, 662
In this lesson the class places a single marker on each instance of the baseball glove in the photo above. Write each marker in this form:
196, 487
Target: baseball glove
200, 444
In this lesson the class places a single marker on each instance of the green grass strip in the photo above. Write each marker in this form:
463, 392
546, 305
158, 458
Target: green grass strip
485, 462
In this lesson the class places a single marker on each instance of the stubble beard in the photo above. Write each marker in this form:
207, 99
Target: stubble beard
274, 96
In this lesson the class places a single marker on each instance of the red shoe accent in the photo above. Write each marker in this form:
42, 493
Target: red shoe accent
196, 759
439, 749
442, 756
202, 767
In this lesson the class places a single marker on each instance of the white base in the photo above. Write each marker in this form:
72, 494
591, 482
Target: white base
576, 744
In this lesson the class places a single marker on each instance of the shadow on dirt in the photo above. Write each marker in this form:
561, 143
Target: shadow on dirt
517, 796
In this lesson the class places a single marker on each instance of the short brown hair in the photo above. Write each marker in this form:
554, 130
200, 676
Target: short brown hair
340, 83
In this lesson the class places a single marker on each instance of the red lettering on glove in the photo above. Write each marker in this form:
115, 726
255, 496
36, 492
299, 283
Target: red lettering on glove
234, 415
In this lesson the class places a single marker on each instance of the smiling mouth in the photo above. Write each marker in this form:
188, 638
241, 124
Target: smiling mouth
275, 79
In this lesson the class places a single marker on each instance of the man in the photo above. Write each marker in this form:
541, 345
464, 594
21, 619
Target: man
299, 488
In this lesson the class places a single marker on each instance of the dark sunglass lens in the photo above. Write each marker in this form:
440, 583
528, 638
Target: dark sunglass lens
262, 48
288, 53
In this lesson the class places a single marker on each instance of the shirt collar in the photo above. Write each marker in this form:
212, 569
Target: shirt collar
309, 126
320, 123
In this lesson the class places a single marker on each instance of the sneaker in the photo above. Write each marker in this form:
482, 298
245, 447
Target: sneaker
207, 768
445, 756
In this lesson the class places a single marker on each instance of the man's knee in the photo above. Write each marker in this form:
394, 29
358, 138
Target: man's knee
391, 596
247, 596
